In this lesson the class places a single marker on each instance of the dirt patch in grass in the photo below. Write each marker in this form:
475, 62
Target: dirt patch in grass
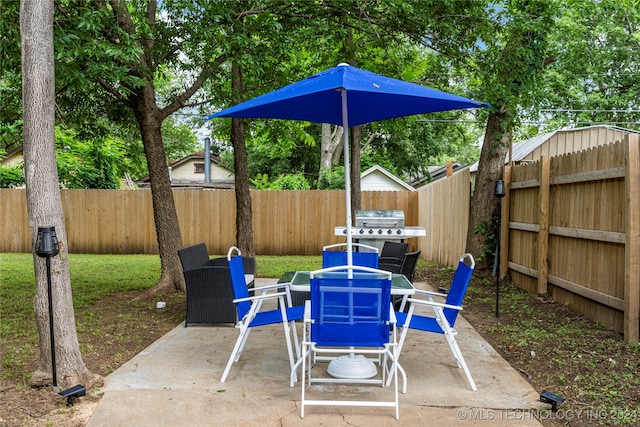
552, 348
110, 332
555, 349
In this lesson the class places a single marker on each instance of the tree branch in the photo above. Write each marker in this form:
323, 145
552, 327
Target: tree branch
180, 101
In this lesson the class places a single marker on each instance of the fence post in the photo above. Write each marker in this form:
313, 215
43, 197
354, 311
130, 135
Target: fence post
543, 234
632, 242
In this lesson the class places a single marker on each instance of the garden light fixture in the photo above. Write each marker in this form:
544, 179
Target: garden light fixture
46, 247
498, 191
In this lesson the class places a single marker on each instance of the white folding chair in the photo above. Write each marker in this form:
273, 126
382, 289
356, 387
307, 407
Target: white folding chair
250, 315
349, 313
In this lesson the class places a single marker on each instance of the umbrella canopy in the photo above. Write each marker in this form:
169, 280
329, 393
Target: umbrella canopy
371, 97
347, 96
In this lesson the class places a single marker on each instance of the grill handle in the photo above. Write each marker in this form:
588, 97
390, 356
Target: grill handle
379, 224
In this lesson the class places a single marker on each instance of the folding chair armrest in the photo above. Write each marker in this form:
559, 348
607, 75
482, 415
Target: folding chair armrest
260, 297
430, 294
269, 287
392, 315
434, 304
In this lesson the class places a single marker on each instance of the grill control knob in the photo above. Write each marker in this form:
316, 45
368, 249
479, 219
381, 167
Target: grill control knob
389, 231
344, 231
370, 231
361, 231
380, 231
399, 232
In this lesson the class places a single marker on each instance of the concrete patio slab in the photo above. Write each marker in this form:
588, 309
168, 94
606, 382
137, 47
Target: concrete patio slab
176, 381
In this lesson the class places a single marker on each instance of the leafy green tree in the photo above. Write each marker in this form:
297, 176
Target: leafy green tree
376, 33
331, 179
510, 66
96, 163
114, 58
594, 77
178, 139
10, 76
282, 182
11, 176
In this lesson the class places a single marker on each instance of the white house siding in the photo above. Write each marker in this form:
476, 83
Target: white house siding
379, 182
186, 172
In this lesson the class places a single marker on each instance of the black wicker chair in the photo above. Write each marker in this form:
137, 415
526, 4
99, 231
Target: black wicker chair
209, 289
409, 265
409, 270
392, 256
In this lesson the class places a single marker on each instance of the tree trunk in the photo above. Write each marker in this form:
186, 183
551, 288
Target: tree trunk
244, 215
44, 203
356, 136
164, 209
483, 203
331, 145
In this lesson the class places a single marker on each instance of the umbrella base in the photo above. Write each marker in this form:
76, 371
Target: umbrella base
350, 366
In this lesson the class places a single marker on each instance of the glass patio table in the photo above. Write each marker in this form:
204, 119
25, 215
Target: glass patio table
299, 281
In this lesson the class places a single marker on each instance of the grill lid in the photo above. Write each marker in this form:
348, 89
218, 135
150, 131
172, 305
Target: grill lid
380, 218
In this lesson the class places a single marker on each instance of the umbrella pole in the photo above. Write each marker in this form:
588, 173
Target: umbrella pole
347, 178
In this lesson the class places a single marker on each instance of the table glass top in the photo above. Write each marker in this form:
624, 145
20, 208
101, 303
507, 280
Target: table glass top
301, 278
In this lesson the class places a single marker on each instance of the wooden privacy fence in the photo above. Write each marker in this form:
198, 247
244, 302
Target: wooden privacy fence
571, 227
284, 222
444, 210
121, 221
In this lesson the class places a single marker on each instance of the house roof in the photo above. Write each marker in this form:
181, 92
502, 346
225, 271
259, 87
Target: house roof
380, 170
12, 155
435, 173
199, 155
523, 148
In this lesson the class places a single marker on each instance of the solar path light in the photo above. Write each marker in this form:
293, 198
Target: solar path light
499, 193
46, 247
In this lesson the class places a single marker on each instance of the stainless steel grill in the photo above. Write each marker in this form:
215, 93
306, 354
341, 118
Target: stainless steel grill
374, 227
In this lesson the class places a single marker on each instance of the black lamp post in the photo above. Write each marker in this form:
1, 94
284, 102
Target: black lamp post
46, 247
499, 193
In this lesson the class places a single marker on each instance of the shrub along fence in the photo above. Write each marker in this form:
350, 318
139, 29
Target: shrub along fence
571, 227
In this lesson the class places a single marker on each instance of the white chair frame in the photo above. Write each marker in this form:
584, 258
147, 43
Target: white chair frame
244, 324
386, 357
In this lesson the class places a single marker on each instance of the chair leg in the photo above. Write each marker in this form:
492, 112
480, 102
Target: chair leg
395, 370
245, 336
294, 371
457, 354
296, 342
287, 335
305, 351
235, 354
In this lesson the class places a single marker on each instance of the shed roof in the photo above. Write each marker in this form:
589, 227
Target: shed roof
523, 148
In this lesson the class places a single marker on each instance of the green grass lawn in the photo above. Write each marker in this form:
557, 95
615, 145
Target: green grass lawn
93, 277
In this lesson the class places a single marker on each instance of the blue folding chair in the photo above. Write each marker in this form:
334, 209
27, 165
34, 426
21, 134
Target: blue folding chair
444, 314
350, 313
249, 313
367, 258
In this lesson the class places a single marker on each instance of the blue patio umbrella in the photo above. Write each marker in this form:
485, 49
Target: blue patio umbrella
347, 96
